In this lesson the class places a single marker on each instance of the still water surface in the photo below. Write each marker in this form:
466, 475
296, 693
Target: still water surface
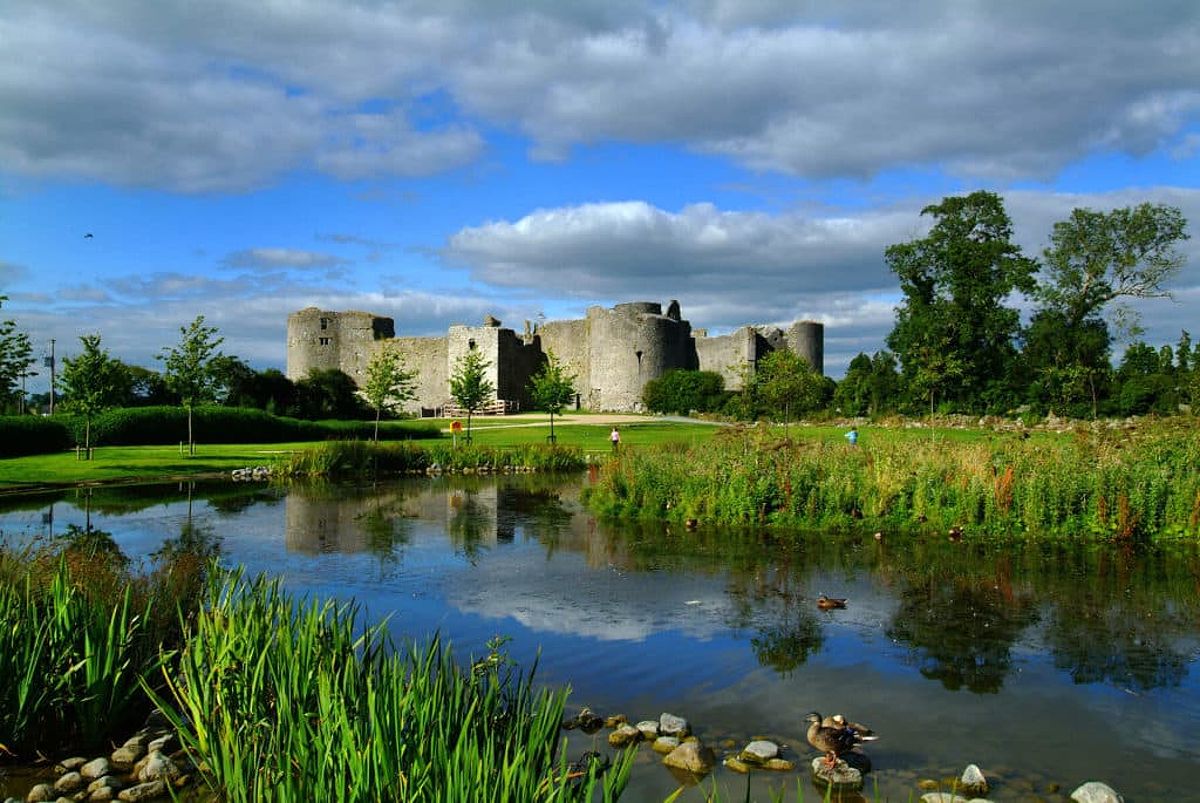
1044, 665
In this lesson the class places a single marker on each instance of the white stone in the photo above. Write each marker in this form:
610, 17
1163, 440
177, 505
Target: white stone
759, 751
95, 769
1096, 792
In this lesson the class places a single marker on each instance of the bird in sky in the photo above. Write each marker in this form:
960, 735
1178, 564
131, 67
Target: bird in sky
87, 236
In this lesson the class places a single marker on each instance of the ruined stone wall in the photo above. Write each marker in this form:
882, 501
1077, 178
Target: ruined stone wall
485, 340
569, 341
728, 355
428, 356
518, 362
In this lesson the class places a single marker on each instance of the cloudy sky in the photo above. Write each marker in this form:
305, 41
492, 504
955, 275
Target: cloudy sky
437, 161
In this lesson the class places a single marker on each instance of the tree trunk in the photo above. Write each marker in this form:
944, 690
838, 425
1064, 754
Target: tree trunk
87, 438
191, 440
378, 412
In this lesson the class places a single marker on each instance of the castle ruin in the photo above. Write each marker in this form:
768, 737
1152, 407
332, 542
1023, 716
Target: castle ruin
612, 352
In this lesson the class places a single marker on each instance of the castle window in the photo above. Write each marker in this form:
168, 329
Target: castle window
471, 344
324, 323
639, 358
324, 341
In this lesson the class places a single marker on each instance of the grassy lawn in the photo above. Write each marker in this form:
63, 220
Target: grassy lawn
135, 462
113, 463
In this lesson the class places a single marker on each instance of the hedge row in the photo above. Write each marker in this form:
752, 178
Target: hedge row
138, 426
27, 434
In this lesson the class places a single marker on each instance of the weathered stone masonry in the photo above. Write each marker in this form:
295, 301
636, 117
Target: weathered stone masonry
613, 352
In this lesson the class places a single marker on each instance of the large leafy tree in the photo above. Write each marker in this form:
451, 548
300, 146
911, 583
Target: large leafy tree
954, 335
871, 385
188, 368
92, 382
16, 355
552, 389
389, 383
1095, 258
469, 386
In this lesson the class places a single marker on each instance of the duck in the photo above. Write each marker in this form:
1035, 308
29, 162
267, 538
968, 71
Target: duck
829, 603
864, 733
955, 533
831, 741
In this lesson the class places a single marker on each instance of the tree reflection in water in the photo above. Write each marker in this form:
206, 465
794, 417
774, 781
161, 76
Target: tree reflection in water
962, 630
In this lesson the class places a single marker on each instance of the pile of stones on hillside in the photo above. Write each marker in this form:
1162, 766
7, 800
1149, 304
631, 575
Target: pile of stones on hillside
148, 766
682, 751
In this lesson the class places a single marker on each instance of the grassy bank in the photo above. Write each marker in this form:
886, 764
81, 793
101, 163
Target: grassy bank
365, 458
281, 699
1124, 484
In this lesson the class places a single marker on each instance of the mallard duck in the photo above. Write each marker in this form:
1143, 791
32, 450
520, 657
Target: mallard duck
829, 603
955, 533
832, 741
863, 733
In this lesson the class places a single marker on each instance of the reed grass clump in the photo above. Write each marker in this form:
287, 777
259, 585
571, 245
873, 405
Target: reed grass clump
78, 632
1126, 485
288, 700
354, 458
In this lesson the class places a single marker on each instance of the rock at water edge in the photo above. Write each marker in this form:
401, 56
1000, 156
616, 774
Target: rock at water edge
1096, 792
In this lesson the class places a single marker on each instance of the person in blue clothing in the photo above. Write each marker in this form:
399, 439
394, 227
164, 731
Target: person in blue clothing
852, 436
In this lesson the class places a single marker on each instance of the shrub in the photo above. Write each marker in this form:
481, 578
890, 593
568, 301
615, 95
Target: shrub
133, 426
682, 391
26, 434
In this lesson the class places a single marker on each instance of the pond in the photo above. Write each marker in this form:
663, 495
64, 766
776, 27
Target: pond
1046, 665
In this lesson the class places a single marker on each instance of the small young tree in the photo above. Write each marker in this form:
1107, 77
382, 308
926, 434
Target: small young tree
787, 384
552, 389
389, 383
469, 385
188, 368
92, 382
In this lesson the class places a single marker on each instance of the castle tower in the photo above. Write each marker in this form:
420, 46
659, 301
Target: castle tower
346, 341
807, 338
628, 346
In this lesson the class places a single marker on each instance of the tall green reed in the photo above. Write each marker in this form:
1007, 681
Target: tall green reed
1119, 485
365, 458
287, 700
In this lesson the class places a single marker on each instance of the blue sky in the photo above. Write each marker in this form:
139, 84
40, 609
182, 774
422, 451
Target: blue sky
439, 161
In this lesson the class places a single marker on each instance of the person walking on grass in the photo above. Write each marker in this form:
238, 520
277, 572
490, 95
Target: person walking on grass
852, 436
614, 438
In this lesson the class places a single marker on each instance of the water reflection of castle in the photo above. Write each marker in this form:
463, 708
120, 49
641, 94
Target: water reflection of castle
479, 514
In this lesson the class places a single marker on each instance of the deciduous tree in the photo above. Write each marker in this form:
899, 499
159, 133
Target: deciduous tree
953, 333
188, 368
92, 382
469, 386
552, 389
389, 383
16, 355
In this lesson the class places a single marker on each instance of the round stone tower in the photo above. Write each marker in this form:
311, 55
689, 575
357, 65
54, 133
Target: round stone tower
628, 346
807, 338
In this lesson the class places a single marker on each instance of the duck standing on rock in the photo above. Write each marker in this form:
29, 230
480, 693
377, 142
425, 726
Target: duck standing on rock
832, 741
864, 733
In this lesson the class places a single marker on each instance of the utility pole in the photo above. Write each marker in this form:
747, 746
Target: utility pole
24, 375
50, 364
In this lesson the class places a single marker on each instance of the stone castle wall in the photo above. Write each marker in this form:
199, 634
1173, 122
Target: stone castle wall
613, 352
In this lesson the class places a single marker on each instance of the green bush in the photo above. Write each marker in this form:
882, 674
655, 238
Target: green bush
683, 391
135, 426
26, 434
